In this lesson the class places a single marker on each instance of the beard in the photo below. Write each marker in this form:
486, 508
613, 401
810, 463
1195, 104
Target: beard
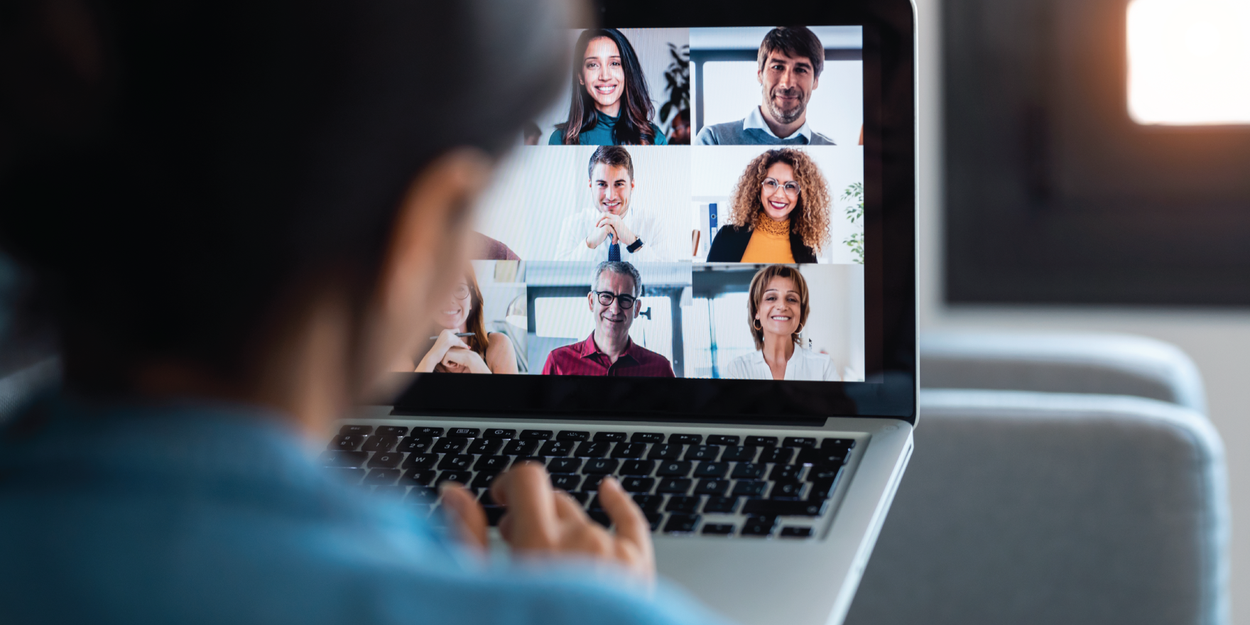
783, 116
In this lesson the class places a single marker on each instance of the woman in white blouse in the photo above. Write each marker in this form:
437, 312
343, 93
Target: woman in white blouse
777, 311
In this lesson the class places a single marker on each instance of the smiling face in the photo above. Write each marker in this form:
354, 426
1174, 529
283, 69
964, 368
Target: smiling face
780, 308
455, 312
613, 321
603, 75
777, 203
610, 188
787, 83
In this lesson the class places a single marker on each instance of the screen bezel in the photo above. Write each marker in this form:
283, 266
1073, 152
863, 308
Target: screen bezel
890, 269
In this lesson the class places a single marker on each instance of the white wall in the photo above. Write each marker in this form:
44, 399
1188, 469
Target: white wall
1218, 341
836, 323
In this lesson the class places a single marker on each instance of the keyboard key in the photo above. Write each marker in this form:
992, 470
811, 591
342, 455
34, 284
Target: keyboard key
379, 442
449, 445
830, 457
421, 496
580, 497
381, 477
686, 439
592, 449
823, 474
491, 464
785, 472
758, 526
535, 435
556, 449
486, 446
348, 475
388, 460
780, 507
484, 480
786, 489
647, 437
702, 452
681, 523
739, 454
591, 483
462, 477
839, 443
711, 469
498, 433
779, 455
600, 466
600, 517
637, 467
540, 461
463, 433
564, 465
821, 490
720, 505
494, 514
358, 430
426, 432
722, 439
392, 430
456, 462
649, 503
749, 488
611, 437
418, 477
664, 452
421, 461
565, 481
675, 485
344, 458
655, 519
638, 484
572, 435
412, 444
676, 468
595, 504
798, 441
519, 448
761, 441
711, 487
687, 505
346, 442
748, 471
718, 529
629, 450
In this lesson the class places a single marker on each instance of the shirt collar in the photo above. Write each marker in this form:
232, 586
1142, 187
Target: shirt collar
756, 120
588, 348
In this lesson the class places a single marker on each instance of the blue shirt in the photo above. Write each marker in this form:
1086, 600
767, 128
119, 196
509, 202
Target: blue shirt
216, 514
604, 133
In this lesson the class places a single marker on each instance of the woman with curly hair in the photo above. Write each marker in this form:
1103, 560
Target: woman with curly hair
779, 212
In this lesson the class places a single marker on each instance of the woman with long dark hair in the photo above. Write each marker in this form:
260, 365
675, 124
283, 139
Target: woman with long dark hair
478, 352
610, 104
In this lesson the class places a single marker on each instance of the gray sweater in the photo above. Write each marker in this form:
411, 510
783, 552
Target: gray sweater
733, 133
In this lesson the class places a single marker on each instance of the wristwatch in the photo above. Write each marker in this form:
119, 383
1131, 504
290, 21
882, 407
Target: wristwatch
635, 246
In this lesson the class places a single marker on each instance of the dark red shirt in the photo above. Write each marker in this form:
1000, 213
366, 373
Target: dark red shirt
584, 358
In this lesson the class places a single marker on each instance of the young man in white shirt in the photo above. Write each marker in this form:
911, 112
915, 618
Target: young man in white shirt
608, 229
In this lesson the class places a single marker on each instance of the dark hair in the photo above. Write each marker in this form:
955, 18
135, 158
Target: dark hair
172, 172
633, 126
758, 285
618, 267
613, 155
794, 41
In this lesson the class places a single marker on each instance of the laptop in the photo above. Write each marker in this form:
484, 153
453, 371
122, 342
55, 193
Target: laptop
696, 273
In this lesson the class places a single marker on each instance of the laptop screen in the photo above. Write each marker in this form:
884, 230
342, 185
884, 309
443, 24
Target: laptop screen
691, 207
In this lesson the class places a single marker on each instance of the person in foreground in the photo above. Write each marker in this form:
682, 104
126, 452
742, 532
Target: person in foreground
777, 310
481, 351
237, 217
779, 212
608, 351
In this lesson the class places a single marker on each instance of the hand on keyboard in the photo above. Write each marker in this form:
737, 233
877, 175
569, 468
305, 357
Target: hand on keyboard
543, 521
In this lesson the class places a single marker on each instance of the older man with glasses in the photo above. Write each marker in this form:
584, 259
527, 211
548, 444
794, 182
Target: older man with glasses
608, 351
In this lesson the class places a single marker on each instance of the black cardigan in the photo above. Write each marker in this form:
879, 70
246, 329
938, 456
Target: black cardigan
731, 243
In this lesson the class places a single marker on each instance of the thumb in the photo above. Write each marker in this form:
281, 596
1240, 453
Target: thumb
472, 519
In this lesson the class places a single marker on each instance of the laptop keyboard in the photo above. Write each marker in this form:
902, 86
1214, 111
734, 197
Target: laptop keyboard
686, 484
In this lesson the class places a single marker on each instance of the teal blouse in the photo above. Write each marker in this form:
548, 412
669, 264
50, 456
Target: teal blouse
603, 133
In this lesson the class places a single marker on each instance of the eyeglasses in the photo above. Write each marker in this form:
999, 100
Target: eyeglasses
461, 291
791, 188
606, 297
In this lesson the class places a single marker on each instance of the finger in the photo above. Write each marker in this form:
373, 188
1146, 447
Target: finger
472, 518
567, 508
631, 524
531, 504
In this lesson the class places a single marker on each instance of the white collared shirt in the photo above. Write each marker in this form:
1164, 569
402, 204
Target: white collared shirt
577, 226
804, 364
756, 120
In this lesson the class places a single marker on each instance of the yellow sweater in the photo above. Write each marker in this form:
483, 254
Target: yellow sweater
770, 242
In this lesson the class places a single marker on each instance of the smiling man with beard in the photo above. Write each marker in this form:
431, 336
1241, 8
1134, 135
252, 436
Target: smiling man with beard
790, 62
608, 351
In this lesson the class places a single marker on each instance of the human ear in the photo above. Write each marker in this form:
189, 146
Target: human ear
429, 234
